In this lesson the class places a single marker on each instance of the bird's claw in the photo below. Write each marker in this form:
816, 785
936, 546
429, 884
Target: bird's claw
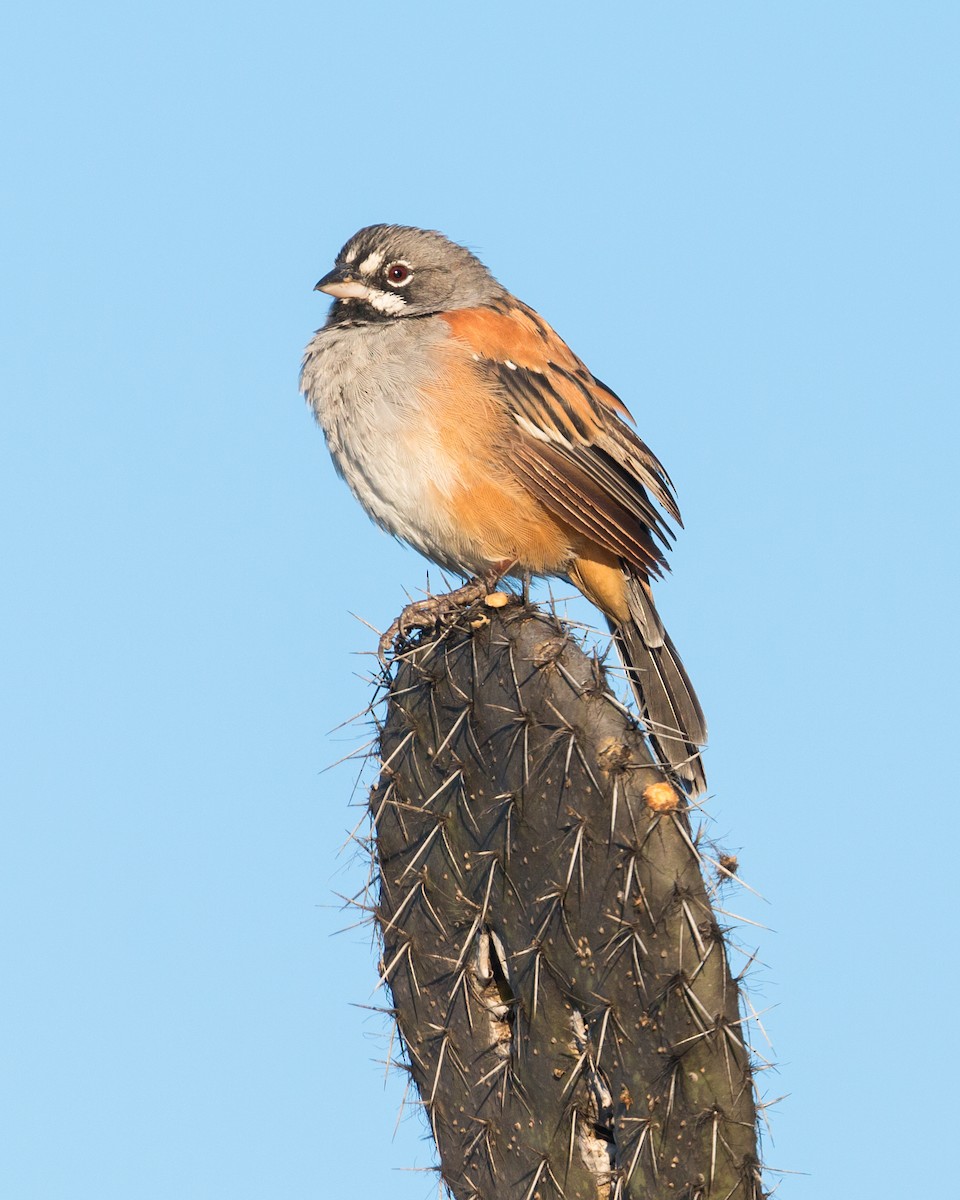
433, 611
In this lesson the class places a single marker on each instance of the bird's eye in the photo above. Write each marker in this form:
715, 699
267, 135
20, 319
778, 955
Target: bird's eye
398, 273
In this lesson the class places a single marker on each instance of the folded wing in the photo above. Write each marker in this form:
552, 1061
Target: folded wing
574, 449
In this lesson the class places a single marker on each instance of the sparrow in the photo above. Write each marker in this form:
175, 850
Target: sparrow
467, 428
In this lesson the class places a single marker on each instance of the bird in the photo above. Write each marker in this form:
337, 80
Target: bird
468, 429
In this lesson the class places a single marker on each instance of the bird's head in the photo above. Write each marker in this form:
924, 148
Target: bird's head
386, 272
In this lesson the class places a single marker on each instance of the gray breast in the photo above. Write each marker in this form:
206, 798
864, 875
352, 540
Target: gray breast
364, 384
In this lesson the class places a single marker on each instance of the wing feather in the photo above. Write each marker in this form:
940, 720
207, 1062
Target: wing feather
573, 447
586, 506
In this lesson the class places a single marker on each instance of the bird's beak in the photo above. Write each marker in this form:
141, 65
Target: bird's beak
340, 283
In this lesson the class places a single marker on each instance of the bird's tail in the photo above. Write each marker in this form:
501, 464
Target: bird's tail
668, 703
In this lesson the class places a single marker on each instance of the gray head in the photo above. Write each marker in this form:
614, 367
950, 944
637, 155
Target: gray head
390, 271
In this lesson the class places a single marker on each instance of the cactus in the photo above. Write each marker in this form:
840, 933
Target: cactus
559, 978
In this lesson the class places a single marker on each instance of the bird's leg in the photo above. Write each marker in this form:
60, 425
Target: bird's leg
424, 614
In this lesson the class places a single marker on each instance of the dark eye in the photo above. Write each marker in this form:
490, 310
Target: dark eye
398, 273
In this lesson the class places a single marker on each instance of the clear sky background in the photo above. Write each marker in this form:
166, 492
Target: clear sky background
744, 216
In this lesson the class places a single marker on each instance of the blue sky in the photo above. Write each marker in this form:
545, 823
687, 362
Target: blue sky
744, 218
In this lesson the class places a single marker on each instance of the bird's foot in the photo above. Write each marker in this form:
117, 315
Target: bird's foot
435, 610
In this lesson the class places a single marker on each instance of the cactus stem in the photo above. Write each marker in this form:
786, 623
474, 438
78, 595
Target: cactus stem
572, 965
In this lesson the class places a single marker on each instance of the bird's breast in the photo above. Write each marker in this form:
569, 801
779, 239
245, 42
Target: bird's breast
370, 387
424, 442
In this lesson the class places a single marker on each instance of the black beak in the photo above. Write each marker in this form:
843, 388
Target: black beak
337, 275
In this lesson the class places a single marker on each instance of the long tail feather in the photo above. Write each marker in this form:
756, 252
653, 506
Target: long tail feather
668, 703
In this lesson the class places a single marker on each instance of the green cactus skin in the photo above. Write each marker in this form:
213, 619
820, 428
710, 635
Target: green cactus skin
559, 978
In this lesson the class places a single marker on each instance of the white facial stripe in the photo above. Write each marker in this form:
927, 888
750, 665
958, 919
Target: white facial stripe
372, 263
350, 255
353, 289
386, 302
